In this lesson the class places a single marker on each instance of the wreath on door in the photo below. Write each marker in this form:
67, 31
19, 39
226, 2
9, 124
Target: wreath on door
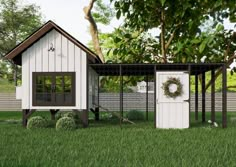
166, 87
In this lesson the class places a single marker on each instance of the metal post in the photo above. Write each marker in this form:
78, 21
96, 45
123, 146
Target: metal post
97, 108
146, 97
24, 117
189, 96
213, 95
224, 96
121, 95
196, 97
155, 100
203, 97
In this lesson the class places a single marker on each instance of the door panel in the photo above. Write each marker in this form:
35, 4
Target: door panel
172, 112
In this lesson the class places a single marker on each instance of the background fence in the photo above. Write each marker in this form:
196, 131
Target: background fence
130, 101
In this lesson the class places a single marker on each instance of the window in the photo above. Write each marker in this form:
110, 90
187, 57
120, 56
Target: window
53, 89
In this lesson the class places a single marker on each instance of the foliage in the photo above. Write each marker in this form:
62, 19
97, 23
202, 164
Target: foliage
182, 36
17, 22
112, 83
125, 45
102, 13
6, 87
36, 122
66, 123
178, 21
166, 85
135, 115
69, 114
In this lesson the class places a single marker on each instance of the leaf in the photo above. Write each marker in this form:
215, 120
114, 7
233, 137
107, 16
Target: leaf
163, 2
219, 27
116, 40
127, 36
118, 14
195, 41
203, 46
115, 51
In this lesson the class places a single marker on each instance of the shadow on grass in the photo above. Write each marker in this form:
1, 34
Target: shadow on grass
15, 118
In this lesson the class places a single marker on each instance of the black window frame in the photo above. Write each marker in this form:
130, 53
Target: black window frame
53, 102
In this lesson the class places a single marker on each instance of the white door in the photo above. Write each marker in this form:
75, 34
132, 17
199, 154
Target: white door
172, 100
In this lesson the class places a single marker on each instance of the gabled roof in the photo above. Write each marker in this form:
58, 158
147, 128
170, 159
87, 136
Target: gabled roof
21, 47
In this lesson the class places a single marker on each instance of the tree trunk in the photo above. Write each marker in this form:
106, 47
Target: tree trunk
163, 49
93, 29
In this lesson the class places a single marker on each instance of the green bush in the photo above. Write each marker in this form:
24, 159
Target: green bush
66, 123
67, 114
37, 122
135, 115
73, 115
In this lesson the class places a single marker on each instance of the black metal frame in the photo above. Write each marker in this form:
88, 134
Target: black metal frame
195, 69
53, 74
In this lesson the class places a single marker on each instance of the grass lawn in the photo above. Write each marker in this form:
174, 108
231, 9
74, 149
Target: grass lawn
106, 144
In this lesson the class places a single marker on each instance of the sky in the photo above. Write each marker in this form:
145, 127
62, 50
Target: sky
69, 15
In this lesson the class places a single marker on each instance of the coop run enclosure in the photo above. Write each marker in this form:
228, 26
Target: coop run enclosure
60, 73
169, 112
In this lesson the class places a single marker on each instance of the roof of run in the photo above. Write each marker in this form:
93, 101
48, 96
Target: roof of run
150, 69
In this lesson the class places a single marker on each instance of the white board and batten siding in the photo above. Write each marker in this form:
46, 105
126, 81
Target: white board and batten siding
170, 112
93, 88
67, 57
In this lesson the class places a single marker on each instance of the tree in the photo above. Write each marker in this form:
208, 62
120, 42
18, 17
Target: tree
177, 20
17, 22
93, 26
181, 39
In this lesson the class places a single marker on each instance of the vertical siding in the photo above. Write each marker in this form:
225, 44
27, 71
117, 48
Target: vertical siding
58, 50
65, 58
32, 68
83, 80
93, 80
25, 80
44, 53
38, 54
64, 53
51, 55
77, 52
172, 113
71, 56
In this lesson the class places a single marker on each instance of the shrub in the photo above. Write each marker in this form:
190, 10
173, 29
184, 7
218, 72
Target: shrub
66, 123
135, 115
37, 122
73, 115
67, 114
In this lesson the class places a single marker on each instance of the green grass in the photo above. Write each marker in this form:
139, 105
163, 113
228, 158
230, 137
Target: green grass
106, 144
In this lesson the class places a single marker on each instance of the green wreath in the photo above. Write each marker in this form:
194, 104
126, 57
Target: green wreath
176, 81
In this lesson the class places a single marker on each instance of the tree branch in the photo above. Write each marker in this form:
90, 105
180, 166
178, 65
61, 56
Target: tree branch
220, 70
170, 39
93, 29
163, 50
